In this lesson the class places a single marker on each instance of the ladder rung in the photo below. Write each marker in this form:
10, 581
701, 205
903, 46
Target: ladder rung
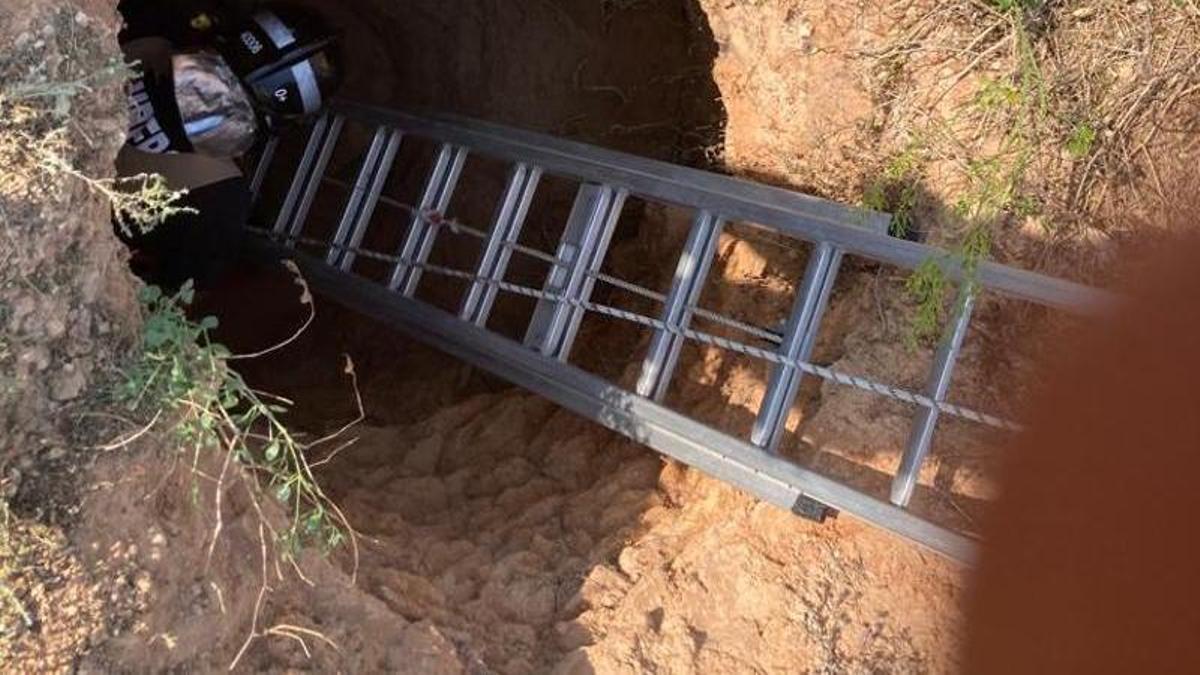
315, 138
584, 243
261, 168
690, 275
439, 189
371, 200
506, 230
357, 193
799, 339
921, 437
298, 218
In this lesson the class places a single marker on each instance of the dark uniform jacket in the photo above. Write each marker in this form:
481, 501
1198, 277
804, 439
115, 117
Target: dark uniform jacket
203, 243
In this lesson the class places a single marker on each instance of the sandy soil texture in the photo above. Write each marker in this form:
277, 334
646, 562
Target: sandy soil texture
497, 532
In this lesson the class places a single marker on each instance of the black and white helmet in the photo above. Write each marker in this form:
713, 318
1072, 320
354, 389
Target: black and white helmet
286, 58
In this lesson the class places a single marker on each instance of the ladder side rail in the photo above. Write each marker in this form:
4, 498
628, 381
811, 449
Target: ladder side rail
262, 166
357, 194
854, 231
299, 179
506, 230
920, 439
371, 200
812, 297
610, 166
314, 180
691, 272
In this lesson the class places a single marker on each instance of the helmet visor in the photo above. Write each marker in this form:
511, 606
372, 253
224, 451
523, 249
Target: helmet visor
216, 111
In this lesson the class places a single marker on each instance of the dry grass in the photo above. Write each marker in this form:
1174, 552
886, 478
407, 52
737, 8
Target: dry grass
13, 614
1047, 111
35, 149
39, 132
1031, 131
1127, 74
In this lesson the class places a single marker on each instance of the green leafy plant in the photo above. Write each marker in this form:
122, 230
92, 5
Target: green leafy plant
927, 287
894, 191
1016, 6
996, 94
995, 181
185, 375
1082, 140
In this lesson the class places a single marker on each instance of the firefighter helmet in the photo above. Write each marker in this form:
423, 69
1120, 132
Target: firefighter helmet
286, 59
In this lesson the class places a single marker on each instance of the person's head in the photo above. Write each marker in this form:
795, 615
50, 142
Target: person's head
286, 58
263, 71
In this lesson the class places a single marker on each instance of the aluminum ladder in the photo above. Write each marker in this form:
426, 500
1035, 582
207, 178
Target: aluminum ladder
541, 361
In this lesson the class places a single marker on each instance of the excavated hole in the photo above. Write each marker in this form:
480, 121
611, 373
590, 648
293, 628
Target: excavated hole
518, 529
482, 508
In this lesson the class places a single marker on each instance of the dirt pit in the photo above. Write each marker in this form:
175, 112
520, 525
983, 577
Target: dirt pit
535, 541
531, 539
499, 533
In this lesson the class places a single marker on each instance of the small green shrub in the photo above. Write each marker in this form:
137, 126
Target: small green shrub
1016, 6
1082, 140
183, 374
996, 94
894, 191
927, 287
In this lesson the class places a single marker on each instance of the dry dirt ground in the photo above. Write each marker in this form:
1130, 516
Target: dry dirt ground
67, 312
498, 533
538, 542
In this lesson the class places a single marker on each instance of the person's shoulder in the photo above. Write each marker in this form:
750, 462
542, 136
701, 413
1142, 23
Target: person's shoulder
182, 170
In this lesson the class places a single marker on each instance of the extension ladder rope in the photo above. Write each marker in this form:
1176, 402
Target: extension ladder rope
838, 377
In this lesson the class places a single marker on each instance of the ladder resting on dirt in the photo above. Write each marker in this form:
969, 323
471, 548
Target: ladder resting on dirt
541, 361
